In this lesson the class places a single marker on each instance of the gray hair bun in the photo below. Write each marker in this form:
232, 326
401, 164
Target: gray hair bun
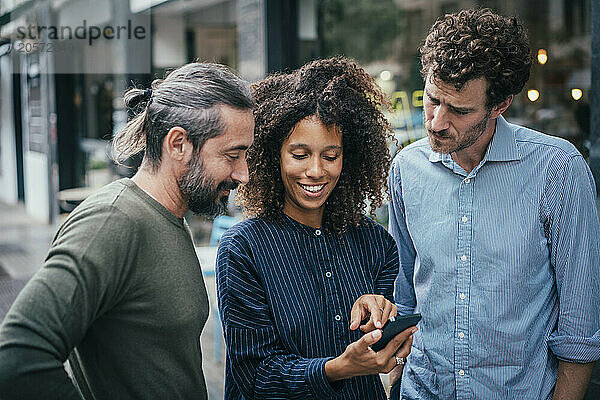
134, 98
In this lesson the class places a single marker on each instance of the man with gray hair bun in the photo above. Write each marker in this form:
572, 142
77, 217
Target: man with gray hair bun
121, 294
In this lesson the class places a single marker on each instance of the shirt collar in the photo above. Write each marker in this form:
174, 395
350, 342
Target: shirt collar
503, 146
299, 227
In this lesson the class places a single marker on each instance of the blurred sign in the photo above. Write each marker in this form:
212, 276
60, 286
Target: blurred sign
406, 116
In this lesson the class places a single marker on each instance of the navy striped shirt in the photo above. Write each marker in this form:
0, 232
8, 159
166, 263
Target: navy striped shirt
503, 263
285, 291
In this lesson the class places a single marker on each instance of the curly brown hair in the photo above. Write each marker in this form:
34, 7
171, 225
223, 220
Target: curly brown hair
475, 44
341, 94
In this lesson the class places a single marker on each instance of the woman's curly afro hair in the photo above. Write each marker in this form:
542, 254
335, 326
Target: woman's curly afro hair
341, 94
475, 44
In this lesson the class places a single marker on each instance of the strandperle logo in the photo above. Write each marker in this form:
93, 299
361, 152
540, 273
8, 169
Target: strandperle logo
90, 33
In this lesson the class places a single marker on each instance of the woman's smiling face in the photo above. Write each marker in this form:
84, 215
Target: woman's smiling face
311, 164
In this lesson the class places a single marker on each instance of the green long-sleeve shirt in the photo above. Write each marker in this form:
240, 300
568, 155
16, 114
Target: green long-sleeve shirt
120, 294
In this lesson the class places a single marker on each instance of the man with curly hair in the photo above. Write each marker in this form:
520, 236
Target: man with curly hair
496, 229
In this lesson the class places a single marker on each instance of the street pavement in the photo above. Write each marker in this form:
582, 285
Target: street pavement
23, 246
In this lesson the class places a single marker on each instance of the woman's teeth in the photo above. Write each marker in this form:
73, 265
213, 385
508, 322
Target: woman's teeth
312, 188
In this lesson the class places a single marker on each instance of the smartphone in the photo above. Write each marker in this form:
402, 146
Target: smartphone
393, 327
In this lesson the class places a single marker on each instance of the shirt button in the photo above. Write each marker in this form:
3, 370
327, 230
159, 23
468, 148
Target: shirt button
467, 180
318, 232
462, 296
328, 274
463, 258
338, 317
461, 372
461, 335
465, 219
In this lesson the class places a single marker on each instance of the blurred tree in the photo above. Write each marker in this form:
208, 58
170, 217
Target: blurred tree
362, 29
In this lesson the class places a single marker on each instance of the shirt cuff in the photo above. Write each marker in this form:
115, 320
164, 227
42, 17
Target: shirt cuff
318, 382
575, 349
405, 310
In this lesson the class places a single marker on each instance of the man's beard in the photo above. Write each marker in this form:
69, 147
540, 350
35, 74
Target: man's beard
200, 192
468, 138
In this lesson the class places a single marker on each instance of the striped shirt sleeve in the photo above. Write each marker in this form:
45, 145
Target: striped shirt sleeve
384, 281
572, 231
405, 292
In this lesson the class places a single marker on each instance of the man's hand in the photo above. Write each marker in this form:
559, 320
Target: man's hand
380, 309
359, 359
572, 380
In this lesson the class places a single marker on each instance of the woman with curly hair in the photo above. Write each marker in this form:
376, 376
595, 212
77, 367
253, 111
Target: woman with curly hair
295, 281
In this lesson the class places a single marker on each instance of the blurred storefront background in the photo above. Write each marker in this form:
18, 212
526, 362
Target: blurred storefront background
63, 70
64, 65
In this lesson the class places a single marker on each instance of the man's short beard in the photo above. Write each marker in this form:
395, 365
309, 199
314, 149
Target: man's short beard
200, 192
470, 137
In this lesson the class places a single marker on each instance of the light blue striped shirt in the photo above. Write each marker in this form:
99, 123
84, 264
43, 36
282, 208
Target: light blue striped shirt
503, 263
